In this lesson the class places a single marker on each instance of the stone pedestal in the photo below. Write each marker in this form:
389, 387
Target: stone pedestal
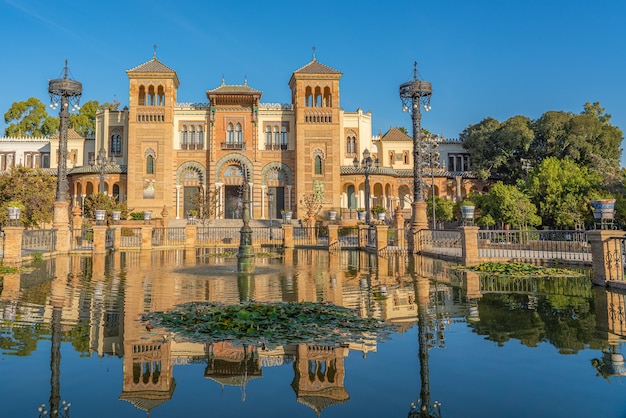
146, 237
13, 244
99, 239
191, 232
287, 235
469, 245
381, 237
333, 235
61, 222
606, 253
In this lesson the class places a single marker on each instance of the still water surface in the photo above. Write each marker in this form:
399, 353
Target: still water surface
71, 330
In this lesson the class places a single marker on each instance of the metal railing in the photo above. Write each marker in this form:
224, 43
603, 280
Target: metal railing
348, 237
130, 237
564, 245
38, 240
616, 258
168, 236
310, 236
81, 239
217, 236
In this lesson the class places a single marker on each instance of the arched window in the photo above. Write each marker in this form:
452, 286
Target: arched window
318, 97
318, 165
328, 101
151, 96
405, 157
149, 164
284, 139
161, 97
200, 137
238, 134
142, 96
276, 138
308, 97
392, 157
192, 134
115, 146
268, 137
230, 134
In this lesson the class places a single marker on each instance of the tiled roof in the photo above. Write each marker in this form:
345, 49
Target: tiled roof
315, 67
234, 89
152, 66
403, 173
87, 169
395, 134
71, 134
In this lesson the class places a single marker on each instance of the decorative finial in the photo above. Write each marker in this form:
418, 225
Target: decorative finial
415, 70
245, 80
223, 79
313, 52
154, 47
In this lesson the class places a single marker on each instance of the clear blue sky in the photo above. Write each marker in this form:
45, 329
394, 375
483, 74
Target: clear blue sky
484, 57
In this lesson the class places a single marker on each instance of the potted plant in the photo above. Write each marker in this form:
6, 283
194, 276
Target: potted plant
287, 215
603, 208
332, 215
360, 213
467, 210
378, 212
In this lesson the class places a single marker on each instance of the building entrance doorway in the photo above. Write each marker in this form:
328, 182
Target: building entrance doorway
190, 199
278, 202
233, 202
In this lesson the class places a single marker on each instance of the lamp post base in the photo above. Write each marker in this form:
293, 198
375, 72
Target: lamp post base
419, 218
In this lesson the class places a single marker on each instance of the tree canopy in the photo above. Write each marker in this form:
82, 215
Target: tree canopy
30, 118
33, 190
507, 150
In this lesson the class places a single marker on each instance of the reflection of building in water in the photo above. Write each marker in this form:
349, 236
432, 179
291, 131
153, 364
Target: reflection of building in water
231, 365
148, 375
318, 376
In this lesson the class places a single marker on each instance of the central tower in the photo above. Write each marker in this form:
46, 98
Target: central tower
315, 98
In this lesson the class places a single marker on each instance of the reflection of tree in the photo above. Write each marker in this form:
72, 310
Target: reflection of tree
567, 322
22, 341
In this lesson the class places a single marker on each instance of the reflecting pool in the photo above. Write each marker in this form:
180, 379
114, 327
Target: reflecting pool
72, 334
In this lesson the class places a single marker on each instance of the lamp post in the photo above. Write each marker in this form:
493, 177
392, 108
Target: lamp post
366, 163
270, 200
101, 164
432, 161
64, 93
415, 94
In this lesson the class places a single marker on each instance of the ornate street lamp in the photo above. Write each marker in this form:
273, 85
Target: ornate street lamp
414, 95
64, 93
366, 163
102, 164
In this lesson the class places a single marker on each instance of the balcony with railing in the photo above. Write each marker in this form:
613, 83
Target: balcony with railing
233, 145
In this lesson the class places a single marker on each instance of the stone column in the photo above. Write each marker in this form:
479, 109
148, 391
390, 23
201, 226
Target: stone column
99, 239
606, 254
333, 235
191, 232
469, 245
13, 244
363, 236
381, 237
146, 237
77, 218
117, 237
287, 235
61, 223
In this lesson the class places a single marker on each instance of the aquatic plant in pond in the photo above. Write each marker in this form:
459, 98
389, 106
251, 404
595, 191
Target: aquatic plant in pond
517, 269
270, 324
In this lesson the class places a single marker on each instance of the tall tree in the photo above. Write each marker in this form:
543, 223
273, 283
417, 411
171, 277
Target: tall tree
561, 189
29, 118
33, 189
507, 204
499, 149
84, 122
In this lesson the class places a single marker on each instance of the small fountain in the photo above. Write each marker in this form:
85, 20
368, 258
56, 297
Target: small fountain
245, 256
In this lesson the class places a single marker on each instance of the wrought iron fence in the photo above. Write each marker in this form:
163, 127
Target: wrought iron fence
616, 258
348, 237
397, 239
168, 236
310, 236
38, 240
217, 236
130, 237
564, 245
82, 239
109, 238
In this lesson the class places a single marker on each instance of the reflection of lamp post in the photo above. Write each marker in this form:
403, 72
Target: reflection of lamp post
414, 94
102, 163
270, 200
64, 92
366, 163
432, 160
